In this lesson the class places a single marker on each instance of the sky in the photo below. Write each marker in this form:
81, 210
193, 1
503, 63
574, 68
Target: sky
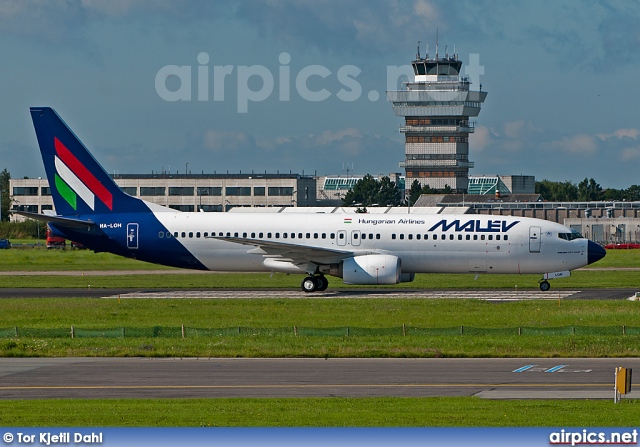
299, 86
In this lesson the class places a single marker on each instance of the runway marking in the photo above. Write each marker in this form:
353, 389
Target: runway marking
224, 387
555, 368
488, 295
524, 368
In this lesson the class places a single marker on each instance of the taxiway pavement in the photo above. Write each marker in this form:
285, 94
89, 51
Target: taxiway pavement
43, 378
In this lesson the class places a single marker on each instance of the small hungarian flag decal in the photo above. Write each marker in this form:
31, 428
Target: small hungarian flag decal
347, 220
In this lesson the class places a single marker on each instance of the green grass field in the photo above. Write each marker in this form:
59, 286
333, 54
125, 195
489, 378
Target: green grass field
306, 311
319, 412
41, 260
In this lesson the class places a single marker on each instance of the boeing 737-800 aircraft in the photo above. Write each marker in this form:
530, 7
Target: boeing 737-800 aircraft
360, 248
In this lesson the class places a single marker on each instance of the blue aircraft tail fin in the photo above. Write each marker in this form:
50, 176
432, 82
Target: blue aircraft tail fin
79, 185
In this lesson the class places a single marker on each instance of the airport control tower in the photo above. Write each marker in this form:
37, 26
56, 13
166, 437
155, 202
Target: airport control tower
436, 107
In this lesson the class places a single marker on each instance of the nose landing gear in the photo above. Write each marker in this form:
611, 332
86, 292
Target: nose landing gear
544, 285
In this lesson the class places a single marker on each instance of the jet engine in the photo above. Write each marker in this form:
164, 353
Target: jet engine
371, 269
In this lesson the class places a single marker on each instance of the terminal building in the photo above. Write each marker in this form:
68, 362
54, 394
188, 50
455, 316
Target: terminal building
437, 107
187, 192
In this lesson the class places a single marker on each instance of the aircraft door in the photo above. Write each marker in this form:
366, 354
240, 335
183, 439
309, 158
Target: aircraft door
132, 236
355, 237
534, 240
341, 237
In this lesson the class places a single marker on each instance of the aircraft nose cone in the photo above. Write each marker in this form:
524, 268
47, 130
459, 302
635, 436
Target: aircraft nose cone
595, 252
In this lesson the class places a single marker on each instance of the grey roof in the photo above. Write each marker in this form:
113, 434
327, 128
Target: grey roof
445, 199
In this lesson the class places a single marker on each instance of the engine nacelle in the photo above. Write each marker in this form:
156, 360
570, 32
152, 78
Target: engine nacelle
371, 269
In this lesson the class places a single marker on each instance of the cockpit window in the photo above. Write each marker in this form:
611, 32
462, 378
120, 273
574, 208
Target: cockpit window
570, 236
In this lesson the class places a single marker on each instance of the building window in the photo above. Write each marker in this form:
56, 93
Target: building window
131, 190
209, 190
258, 190
238, 191
280, 190
45, 191
152, 190
180, 190
25, 191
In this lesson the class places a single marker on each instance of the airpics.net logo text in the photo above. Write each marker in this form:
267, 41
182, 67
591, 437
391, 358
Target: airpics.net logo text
255, 83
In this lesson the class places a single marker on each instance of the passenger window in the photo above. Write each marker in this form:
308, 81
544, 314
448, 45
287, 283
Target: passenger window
205, 234
475, 237
401, 236
308, 235
244, 234
190, 234
184, 234
491, 237
300, 236
468, 237
324, 235
175, 234
444, 236
169, 235
269, 235
410, 237
459, 237
253, 235
451, 237
393, 236
161, 234
378, 236
355, 235
284, 235
482, 237
341, 235
497, 237
198, 234
293, 235
260, 235
228, 234
418, 236
315, 235
235, 234
333, 235
277, 235
506, 237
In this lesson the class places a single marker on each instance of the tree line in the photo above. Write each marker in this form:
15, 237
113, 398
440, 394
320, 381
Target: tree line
369, 191
588, 190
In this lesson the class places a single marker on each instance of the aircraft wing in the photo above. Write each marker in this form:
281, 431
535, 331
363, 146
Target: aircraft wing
298, 254
58, 220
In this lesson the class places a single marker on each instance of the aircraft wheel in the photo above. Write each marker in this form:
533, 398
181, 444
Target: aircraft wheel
309, 284
323, 283
545, 286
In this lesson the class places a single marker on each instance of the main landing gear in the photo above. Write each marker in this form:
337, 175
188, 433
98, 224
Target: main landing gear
314, 283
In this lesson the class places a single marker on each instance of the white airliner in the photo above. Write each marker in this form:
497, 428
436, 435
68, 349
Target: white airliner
359, 248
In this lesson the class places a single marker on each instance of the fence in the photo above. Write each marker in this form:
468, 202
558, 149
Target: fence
404, 330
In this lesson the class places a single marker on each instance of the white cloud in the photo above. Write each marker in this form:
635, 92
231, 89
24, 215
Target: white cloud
582, 144
329, 136
630, 154
620, 134
480, 139
225, 140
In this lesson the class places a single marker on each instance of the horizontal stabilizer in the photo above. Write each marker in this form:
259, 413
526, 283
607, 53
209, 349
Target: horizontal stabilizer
58, 220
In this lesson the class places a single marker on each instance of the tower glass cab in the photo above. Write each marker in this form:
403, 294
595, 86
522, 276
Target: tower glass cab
437, 106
